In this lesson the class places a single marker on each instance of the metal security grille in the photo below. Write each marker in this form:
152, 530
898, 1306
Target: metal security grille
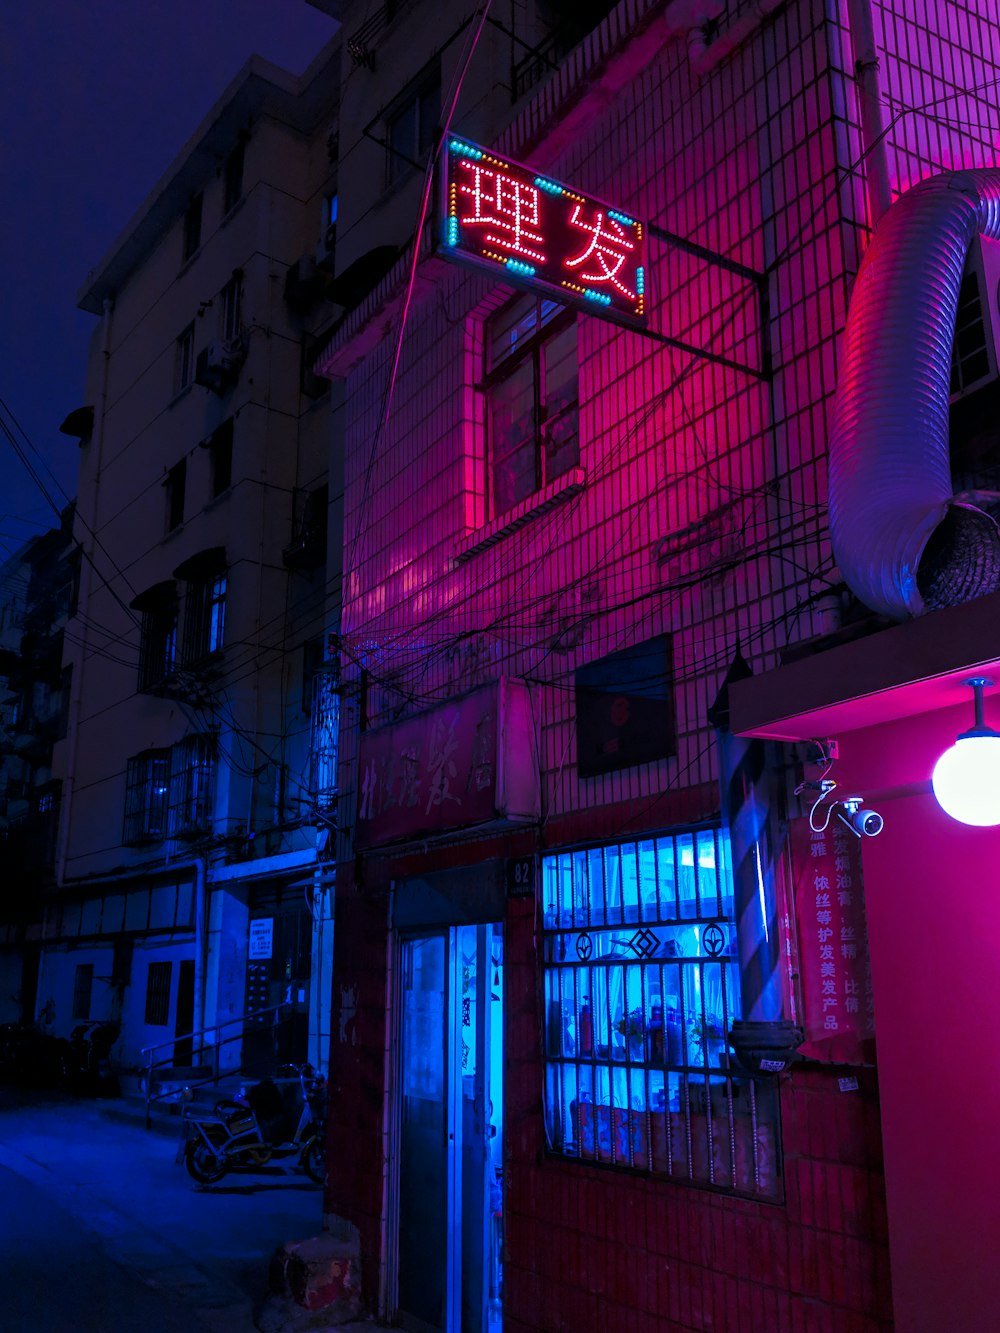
192, 785
158, 994
641, 989
147, 787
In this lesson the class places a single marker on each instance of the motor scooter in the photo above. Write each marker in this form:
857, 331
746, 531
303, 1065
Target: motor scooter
274, 1118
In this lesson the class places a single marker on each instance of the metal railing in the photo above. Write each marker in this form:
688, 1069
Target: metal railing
200, 1048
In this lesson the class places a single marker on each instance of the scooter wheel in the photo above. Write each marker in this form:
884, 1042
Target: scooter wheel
203, 1165
313, 1160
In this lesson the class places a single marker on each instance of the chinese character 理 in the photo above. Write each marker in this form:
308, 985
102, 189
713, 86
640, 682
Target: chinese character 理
508, 205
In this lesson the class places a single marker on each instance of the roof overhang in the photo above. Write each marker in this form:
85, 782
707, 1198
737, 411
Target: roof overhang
914, 668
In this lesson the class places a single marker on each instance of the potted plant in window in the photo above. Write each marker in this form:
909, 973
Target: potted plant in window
707, 1039
632, 1027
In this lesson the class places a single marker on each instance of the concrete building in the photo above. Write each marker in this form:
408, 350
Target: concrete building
581, 926
192, 878
39, 584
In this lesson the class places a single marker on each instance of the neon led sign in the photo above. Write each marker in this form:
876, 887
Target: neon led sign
534, 232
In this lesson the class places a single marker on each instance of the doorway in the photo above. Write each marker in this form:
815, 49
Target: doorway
450, 1190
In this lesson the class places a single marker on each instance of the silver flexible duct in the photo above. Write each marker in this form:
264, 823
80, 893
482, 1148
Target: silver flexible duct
890, 475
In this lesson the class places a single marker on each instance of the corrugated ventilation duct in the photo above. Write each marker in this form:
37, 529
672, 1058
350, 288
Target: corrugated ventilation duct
903, 540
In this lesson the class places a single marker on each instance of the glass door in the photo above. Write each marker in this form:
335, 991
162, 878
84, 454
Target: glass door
451, 1131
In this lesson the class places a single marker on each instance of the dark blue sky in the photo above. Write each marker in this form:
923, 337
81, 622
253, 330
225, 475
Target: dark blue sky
96, 98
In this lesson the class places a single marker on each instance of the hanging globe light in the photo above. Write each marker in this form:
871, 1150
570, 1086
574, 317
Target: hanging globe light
966, 779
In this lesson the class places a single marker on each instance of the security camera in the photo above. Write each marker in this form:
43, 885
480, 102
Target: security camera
858, 820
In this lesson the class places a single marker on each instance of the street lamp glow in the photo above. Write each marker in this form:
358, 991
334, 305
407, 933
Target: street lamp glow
966, 778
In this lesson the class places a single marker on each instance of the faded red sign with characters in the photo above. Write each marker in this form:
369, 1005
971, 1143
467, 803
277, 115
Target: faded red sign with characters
468, 762
832, 940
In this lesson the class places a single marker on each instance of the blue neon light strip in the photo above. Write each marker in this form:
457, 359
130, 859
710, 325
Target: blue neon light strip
515, 265
465, 150
550, 187
600, 297
453, 231
640, 280
622, 218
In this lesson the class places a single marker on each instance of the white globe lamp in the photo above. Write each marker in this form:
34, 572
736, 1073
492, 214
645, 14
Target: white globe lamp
966, 779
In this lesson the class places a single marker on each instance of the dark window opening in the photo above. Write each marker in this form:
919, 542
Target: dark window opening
184, 359
192, 226
192, 786
158, 994
221, 457
232, 303
157, 634
83, 985
307, 549
411, 128
175, 483
233, 185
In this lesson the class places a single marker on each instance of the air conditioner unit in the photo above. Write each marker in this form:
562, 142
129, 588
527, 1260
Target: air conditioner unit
218, 364
975, 352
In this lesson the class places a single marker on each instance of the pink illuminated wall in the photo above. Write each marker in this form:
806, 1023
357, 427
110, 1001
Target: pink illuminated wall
933, 902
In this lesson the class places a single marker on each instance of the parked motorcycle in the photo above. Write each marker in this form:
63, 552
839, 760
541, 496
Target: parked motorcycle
274, 1118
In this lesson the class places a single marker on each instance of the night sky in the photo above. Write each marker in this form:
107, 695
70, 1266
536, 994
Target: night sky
97, 97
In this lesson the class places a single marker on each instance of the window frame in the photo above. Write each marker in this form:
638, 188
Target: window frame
204, 616
402, 162
184, 359
159, 987
220, 447
83, 992
175, 485
549, 325
231, 309
158, 634
191, 242
193, 766
638, 1076
147, 795
232, 178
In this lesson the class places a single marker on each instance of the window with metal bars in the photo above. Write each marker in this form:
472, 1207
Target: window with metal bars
192, 786
157, 634
158, 994
204, 615
147, 791
641, 989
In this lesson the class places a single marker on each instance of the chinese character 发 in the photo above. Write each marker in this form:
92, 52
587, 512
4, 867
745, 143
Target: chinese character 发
508, 205
441, 764
607, 250
369, 790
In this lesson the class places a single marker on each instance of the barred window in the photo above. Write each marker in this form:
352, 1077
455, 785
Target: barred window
641, 989
157, 634
147, 789
206, 586
192, 786
158, 994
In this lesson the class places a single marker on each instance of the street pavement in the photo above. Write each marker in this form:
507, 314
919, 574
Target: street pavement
102, 1231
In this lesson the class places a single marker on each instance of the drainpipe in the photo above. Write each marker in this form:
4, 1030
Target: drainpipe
200, 956
764, 1040
859, 19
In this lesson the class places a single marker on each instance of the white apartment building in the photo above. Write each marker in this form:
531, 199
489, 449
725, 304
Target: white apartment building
198, 767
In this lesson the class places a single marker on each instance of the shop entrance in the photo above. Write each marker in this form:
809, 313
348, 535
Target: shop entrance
450, 1195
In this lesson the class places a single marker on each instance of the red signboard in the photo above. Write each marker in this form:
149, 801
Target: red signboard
466, 763
534, 232
834, 971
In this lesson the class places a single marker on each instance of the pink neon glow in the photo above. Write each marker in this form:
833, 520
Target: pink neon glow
608, 246
508, 204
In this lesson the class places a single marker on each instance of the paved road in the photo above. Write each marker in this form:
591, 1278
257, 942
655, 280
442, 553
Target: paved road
102, 1232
